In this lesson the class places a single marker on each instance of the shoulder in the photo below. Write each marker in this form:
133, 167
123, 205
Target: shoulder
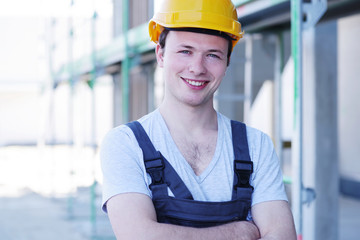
259, 143
116, 136
123, 134
118, 144
254, 136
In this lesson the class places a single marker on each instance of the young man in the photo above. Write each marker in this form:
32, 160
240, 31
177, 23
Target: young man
192, 186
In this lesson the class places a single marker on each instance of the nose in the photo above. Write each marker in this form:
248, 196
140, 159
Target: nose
196, 65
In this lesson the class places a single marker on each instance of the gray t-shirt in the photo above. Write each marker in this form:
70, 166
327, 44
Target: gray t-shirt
124, 171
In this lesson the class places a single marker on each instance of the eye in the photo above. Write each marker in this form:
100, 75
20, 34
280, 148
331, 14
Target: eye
212, 55
185, 51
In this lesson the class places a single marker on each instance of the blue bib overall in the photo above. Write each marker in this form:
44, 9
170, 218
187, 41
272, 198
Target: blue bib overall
182, 209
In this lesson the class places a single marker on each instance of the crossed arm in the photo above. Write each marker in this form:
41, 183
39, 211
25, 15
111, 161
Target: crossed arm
132, 216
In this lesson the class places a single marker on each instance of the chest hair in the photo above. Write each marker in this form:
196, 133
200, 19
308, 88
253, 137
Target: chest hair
197, 152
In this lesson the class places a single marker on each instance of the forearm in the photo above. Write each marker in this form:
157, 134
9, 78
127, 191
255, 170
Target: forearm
133, 216
278, 236
274, 220
243, 230
286, 232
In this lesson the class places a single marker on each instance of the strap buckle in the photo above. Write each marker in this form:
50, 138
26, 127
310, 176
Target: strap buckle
155, 167
243, 170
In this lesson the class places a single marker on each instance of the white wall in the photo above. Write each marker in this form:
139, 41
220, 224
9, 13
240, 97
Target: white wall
23, 70
19, 114
349, 95
262, 109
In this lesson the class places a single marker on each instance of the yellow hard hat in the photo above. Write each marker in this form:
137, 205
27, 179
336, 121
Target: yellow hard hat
219, 15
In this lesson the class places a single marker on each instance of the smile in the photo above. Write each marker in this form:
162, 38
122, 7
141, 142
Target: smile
195, 83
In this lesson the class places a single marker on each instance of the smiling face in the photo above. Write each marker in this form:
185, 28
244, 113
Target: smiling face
194, 65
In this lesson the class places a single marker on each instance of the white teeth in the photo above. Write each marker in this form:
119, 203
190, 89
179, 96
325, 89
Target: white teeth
195, 83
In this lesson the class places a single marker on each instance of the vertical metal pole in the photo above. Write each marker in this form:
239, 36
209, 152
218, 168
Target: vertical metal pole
296, 39
93, 123
126, 62
278, 67
93, 186
50, 112
248, 78
71, 111
51, 119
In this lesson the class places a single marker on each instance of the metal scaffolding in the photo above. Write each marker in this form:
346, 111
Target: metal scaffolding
256, 16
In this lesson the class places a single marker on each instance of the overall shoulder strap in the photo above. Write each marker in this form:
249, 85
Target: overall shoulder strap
162, 174
243, 166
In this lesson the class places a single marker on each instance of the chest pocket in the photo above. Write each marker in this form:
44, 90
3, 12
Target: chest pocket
182, 209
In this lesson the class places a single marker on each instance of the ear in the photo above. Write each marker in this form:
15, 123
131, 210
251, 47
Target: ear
159, 55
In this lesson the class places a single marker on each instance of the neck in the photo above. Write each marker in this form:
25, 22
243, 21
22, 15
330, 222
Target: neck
189, 119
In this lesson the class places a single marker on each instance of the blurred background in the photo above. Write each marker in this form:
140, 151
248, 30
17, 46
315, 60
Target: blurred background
70, 70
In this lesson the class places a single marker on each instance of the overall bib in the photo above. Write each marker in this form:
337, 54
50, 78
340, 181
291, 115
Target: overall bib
182, 209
